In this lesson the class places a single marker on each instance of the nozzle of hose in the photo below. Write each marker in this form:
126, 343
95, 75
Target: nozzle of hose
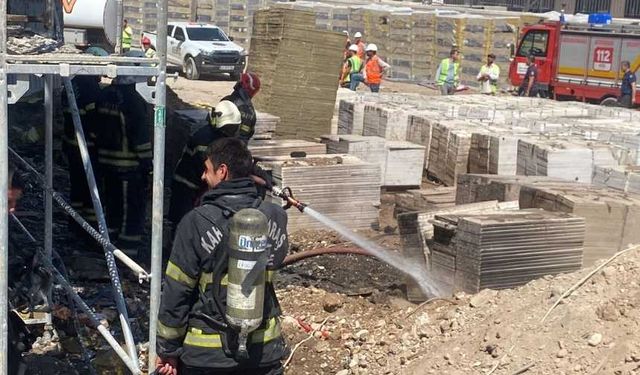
287, 195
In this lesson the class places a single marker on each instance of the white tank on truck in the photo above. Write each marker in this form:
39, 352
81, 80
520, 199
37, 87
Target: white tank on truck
90, 22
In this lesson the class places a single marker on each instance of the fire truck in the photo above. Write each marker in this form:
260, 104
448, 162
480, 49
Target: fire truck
577, 62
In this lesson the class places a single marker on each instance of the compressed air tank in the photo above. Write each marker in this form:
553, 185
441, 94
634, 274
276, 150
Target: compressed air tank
92, 15
247, 242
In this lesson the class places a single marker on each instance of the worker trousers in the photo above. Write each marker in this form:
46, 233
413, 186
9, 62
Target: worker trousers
274, 370
125, 200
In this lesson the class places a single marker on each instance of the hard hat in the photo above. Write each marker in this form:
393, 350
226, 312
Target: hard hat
250, 82
353, 48
371, 47
358, 35
226, 113
146, 41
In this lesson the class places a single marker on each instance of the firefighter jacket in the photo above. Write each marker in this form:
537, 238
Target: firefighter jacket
87, 92
191, 165
242, 100
194, 295
123, 130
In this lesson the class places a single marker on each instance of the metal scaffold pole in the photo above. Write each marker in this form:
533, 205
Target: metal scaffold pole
48, 166
158, 181
4, 181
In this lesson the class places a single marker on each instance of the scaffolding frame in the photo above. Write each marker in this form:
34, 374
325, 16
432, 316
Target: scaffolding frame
67, 66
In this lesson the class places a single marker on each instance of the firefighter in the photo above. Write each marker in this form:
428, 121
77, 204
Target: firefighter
125, 160
628, 87
127, 36
488, 76
529, 86
448, 73
149, 52
193, 333
87, 91
187, 183
243, 92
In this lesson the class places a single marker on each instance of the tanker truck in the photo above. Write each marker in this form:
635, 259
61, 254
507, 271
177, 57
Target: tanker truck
90, 22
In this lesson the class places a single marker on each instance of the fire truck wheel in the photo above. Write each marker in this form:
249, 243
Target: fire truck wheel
609, 102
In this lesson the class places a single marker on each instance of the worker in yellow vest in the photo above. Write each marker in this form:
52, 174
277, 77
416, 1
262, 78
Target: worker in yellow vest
448, 73
127, 37
488, 76
351, 72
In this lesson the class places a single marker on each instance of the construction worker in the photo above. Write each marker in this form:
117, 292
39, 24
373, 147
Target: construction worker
127, 36
87, 92
347, 45
360, 44
187, 183
194, 336
628, 86
374, 68
488, 76
243, 92
125, 160
448, 73
149, 52
351, 72
528, 86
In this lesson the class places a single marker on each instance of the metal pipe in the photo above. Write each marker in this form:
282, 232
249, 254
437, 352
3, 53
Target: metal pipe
142, 274
48, 168
4, 182
119, 18
102, 223
158, 181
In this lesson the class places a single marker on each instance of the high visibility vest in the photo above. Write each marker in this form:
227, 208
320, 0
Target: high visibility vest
127, 36
374, 71
444, 71
356, 66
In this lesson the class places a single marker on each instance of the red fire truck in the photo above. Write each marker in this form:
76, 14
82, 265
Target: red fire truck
577, 62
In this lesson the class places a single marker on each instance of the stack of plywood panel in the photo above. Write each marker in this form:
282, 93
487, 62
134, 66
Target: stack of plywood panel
399, 48
386, 121
297, 65
493, 153
449, 151
475, 35
423, 46
341, 187
369, 149
419, 127
284, 147
435, 198
625, 179
416, 231
472, 188
404, 164
555, 159
266, 125
351, 117
505, 250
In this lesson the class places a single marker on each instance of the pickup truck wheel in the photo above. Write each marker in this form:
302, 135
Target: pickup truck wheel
191, 69
609, 102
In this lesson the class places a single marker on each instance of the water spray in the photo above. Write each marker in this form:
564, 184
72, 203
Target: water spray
406, 266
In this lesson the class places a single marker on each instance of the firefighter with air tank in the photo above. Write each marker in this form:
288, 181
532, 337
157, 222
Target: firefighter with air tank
219, 311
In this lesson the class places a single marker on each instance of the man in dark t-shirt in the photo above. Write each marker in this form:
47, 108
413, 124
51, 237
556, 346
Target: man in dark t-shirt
528, 86
628, 86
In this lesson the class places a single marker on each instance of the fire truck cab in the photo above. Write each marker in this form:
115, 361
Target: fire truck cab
577, 62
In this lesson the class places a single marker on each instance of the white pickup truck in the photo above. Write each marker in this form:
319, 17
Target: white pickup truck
201, 48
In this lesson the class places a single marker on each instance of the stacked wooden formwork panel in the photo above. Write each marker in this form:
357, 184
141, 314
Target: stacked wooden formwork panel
423, 46
399, 49
297, 65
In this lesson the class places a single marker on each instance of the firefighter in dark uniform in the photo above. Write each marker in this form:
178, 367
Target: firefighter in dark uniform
87, 91
187, 183
192, 336
244, 90
125, 160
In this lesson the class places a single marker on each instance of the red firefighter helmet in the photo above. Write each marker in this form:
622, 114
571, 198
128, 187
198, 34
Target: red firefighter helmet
250, 82
146, 41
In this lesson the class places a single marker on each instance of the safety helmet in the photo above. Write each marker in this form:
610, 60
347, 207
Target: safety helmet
227, 115
371, 47
146, 41
250, 82
353, 48
358, 35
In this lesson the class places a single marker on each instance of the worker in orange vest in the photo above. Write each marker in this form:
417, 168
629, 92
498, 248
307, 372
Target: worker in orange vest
374, 68
360, 43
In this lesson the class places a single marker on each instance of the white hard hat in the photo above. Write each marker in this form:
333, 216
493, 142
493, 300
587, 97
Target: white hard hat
353, 48
226, 113
371, 47
358, 35
345, 32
